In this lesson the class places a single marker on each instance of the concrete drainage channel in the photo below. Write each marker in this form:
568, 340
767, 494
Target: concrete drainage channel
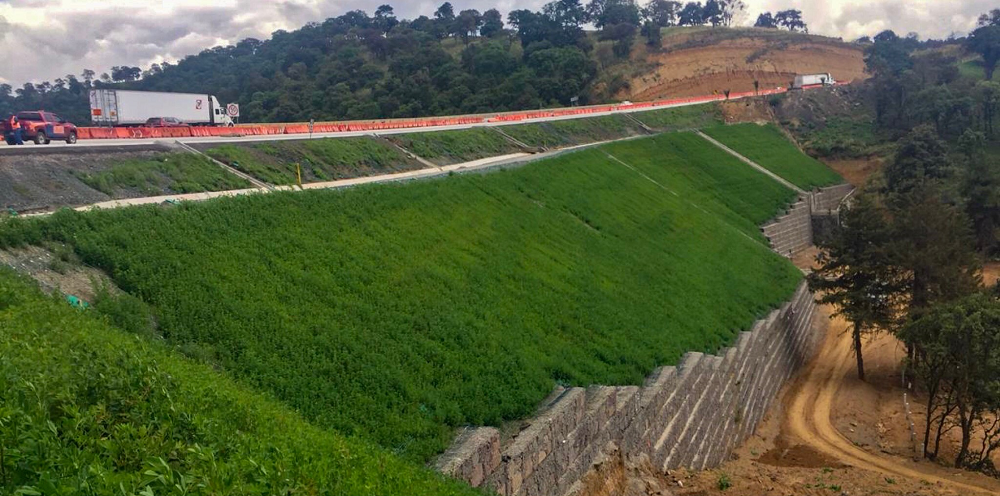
692, 415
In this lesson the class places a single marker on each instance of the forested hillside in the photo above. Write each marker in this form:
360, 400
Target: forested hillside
452, 61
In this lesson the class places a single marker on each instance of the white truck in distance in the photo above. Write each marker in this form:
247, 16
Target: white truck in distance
134, 108
807, 80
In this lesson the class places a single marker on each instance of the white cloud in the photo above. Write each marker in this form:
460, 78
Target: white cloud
46, 39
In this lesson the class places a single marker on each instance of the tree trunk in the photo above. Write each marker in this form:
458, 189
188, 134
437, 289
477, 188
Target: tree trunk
857, 351
966, 424
931, 396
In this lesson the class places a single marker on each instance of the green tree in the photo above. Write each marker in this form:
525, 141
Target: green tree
662, 13
791, 20
988, 96
934, 247
921, 157
492, 23
712, 12
986, 42
766, 20
653, 34
605, 13
693, 14
958, 361
857, 274
980, 187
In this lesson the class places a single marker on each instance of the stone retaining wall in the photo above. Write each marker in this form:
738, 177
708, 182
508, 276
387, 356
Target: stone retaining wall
794, 231
691, 415
828, 199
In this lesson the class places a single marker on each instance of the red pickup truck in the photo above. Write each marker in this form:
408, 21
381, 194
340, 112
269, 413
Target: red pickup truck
41, 127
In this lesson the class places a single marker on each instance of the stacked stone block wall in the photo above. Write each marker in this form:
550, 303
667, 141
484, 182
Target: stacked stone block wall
691, 415
792, 232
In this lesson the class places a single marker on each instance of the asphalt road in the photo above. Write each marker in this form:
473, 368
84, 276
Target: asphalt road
103, 143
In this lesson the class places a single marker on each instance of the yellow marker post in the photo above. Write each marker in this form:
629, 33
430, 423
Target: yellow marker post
298, 173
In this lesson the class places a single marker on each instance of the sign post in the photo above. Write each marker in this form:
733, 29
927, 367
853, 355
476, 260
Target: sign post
312, 123
233, 110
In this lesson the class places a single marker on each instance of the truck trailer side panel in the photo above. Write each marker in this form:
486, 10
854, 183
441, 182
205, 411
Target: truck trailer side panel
120, 107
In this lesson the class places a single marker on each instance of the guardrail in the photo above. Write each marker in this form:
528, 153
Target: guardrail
394, 124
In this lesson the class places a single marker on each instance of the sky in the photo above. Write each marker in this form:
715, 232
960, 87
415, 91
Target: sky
47, 39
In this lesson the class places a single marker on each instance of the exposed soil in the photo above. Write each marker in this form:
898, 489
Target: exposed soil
48, 181
57, 273
828, 434
855, 171
807, 443
746, 110
734, 64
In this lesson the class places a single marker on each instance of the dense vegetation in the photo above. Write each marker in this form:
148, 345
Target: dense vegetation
359, 66
164, 173
450, 147
398, 312
88, 409
575, 131
768, 147
320, 159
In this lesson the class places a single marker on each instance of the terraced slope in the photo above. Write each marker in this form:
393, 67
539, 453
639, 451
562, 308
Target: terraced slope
397, 312
769, 148
88, 409
325, 159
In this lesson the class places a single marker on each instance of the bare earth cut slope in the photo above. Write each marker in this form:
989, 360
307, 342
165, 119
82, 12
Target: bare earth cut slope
703, 61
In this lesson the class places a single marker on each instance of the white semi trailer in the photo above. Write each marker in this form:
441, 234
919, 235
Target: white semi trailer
806, 80
134, 108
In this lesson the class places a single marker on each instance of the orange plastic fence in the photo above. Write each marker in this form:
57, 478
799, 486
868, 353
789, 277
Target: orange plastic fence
367, 126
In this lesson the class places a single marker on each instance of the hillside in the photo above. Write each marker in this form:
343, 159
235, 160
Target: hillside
398, 312
697, 61
356, 67
90, 409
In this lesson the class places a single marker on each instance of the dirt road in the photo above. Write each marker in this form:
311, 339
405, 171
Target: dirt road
808, 419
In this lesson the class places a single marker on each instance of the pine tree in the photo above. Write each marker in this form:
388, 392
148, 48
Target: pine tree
857, 274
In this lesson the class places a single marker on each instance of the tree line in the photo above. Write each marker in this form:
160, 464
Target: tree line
908, 257
361, 66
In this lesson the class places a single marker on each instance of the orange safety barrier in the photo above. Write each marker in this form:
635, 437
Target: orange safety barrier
365, 126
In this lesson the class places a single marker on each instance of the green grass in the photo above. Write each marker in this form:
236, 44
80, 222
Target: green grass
451, 147
972, 69
574, 131
166, 173
769, 148
325, 159
88, 409
397, 312
688, 117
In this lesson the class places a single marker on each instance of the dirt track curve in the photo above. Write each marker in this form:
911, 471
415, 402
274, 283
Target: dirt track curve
808, 417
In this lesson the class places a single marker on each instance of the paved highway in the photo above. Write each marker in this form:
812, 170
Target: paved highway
101, 143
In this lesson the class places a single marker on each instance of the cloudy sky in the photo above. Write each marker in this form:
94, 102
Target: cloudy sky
46, 39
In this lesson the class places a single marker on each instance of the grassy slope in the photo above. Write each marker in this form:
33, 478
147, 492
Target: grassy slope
397, 312
164, 174
451, 147
769, 148
574, 131
88, 409
688, 117
321, 159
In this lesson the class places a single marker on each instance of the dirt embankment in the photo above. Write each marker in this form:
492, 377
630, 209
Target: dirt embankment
708, 61
34, 182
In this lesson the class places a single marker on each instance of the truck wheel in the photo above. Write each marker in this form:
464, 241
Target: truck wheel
41, 139
71, 139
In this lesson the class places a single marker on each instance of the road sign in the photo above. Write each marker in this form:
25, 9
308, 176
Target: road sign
233, 110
